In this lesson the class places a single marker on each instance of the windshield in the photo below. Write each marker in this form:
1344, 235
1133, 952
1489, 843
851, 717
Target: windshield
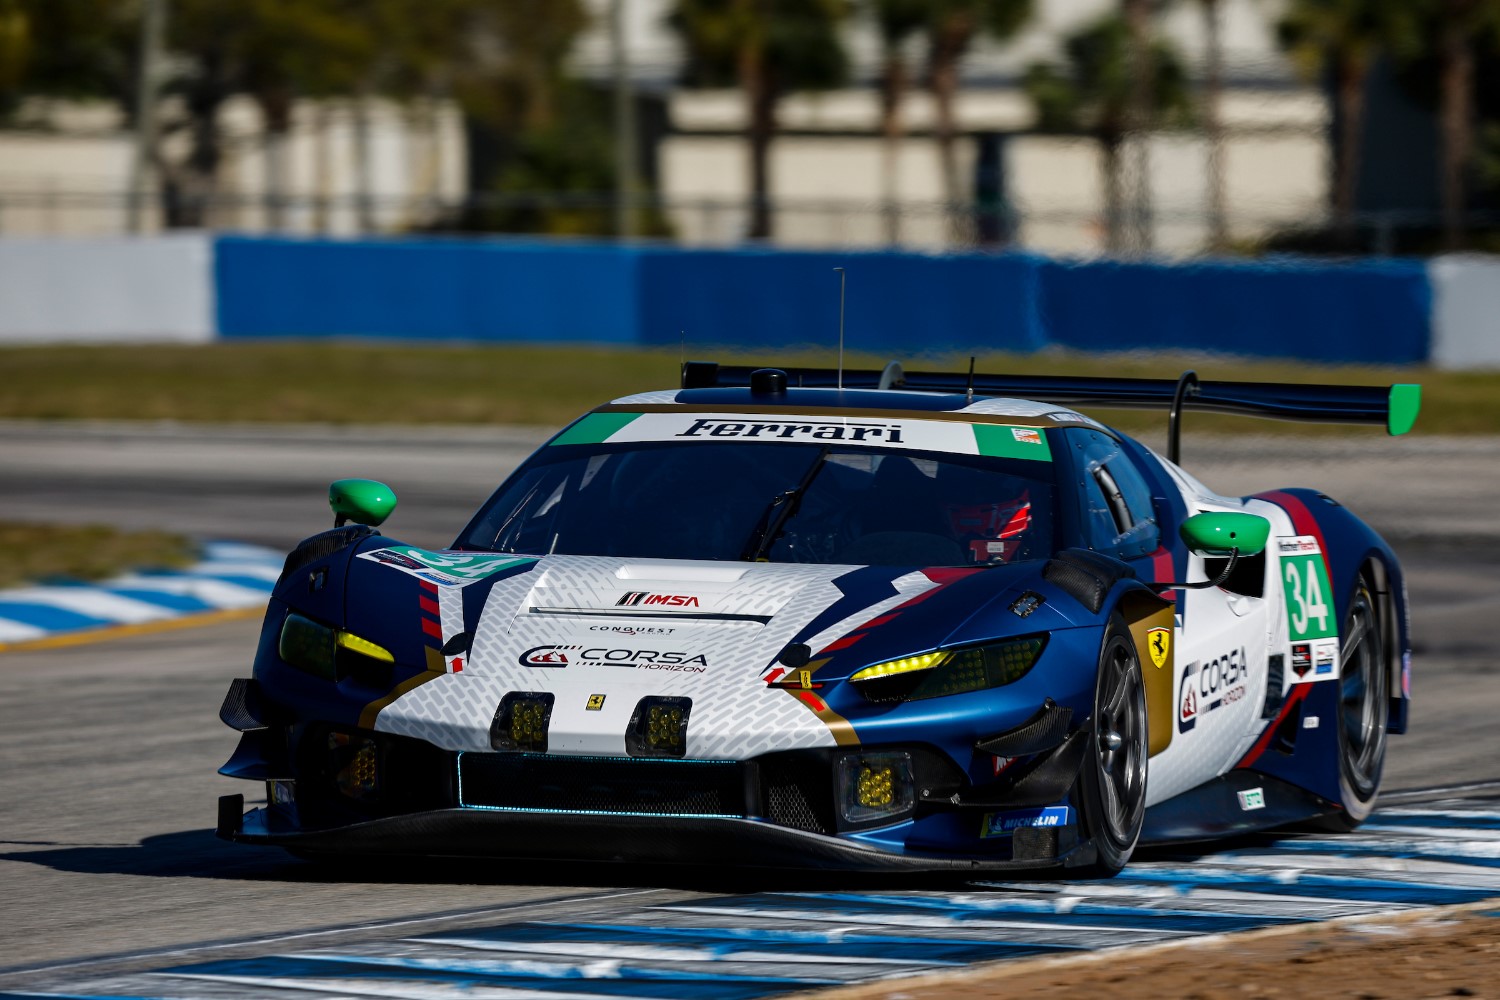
772, 502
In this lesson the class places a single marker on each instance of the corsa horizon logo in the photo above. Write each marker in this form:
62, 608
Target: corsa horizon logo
546, 656
641, 598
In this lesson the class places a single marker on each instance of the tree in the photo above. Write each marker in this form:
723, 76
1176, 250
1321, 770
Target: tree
1342, 39
771, 48
1091, 95
1460, 25
897, 21
1213, 126
952, 26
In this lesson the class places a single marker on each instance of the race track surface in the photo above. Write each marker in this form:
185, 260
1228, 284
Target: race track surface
115, 885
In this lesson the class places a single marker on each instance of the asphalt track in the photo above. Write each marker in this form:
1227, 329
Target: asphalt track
114, 886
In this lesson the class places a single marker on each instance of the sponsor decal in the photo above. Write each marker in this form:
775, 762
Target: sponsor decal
1026, 435
1209, 686
1324, 661
851, 430
1028, 602
595, 703
451, 569
640, 598
1304, 579
1159, 645
547, 656
1252, 798
595, 656
1310, 722
1006, 823
632, 629
1301, 659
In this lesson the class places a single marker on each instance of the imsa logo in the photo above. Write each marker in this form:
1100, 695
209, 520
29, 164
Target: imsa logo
640, 598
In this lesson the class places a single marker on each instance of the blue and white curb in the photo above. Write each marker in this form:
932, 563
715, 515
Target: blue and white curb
770, 942
231, 576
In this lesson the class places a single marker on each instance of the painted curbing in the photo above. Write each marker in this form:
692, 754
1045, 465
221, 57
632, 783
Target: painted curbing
231, 579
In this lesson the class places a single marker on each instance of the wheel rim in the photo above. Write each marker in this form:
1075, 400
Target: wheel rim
1120, 744
1362, 697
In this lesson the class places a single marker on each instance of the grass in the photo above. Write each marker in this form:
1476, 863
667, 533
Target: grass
88, 552
352, 382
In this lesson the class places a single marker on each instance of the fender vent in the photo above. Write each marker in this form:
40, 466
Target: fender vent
1086, 576
325, 543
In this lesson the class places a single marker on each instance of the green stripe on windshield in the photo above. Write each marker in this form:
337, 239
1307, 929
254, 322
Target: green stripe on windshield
594, 428
1005, 441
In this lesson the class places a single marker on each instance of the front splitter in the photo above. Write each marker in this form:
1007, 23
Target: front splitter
663, 840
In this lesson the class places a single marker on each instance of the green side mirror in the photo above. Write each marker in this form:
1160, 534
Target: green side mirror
1218, 533
363, 501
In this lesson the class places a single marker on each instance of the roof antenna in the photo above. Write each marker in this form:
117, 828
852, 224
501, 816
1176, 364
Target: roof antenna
971, 378
843, 279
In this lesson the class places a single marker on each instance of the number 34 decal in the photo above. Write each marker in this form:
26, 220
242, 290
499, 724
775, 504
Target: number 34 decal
1305, 580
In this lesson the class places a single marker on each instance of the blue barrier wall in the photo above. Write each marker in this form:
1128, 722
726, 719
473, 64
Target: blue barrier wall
901, 304
896, 303
1375, 312
438, 289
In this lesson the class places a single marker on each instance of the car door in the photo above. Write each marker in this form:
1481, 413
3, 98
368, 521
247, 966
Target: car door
1220, 640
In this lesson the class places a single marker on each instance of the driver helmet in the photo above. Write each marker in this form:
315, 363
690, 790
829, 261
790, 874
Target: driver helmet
992, 532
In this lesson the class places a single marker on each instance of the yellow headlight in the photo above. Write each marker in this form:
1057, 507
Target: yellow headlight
906, 665
354, 643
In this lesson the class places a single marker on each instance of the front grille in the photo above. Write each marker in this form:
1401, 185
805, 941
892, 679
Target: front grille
620, 785
798, 792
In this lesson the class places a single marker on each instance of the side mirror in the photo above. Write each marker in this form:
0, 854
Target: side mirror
363, 501
1224, 533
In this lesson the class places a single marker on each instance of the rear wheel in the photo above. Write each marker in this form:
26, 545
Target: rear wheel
1112, 789
1364, 706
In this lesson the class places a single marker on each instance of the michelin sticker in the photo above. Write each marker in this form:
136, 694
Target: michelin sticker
1006, 823
449, 569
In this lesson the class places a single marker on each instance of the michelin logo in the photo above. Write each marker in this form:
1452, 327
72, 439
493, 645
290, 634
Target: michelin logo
1002, 824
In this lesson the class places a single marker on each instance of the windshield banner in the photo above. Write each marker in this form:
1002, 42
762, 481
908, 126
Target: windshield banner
954, 437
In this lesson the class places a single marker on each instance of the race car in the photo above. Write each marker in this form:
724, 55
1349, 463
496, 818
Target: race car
844, 620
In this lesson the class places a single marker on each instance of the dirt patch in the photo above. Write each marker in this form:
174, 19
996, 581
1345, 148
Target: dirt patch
1448, 952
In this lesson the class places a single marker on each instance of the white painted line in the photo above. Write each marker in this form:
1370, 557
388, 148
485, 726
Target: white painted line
219, 593
662, 953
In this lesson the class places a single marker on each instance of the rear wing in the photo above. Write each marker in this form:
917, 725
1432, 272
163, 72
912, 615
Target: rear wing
1394, 407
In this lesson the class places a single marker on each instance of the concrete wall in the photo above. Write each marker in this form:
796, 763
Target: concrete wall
1466, 317
97, 290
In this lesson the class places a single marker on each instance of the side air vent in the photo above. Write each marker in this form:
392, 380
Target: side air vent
1086, 576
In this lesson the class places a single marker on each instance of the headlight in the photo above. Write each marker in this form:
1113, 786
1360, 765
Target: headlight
521, 721
315, 648
658, 727
949, 671
875, 785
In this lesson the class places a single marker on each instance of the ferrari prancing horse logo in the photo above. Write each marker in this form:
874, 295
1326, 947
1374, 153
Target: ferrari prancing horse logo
1159, 645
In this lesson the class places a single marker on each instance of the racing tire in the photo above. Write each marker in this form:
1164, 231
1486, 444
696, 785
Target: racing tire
1111, 791
1363, 711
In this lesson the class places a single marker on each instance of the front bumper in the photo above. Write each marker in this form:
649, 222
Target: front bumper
521, 835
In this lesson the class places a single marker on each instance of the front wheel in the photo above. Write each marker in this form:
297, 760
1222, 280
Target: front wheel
1112, 788
1364, 705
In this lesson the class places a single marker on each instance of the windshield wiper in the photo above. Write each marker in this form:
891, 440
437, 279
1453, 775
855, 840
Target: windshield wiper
780, 510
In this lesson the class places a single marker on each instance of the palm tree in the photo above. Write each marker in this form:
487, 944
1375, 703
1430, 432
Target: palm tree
1460, 24
1213, 125
897, 21
1091, 94
1342, 38
770, 48
952, 26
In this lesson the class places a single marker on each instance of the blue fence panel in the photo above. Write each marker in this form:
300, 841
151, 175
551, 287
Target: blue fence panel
897, 304
1375, 312
439, 289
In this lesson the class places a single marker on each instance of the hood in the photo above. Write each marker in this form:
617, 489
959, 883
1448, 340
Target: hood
600, 634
